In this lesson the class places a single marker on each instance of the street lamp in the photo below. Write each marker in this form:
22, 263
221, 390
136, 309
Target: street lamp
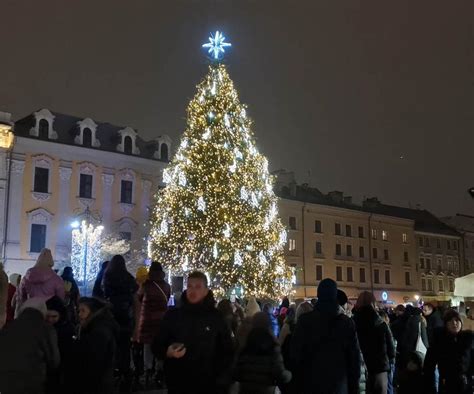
86, 246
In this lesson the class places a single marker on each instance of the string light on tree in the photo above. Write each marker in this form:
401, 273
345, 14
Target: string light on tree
228, 203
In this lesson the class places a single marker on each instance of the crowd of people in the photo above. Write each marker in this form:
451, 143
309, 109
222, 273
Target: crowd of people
131, 335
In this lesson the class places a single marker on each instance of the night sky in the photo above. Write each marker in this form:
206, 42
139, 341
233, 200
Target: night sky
374, 98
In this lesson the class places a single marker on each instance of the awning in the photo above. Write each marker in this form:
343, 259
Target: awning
464, 286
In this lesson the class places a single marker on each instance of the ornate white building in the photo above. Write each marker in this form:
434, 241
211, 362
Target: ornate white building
58, 166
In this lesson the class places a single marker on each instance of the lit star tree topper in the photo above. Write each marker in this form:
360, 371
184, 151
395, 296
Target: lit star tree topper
216, 45
224, 219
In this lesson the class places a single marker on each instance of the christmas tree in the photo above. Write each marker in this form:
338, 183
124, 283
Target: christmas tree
218, 212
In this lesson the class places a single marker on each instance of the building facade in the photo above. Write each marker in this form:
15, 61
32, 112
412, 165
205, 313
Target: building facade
464, 224
59, 167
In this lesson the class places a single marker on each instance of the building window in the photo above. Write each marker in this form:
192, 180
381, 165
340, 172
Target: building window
361, 232
440, 264
87, 137
339, 274
126, 192
404, 238
43, 129
384, 235
164, 152
438, 243
429, 282
348, 230
126, 235
385, 254
405, 256
41, 180
374, 253
449, 244
376, 276
427, 242
420, 241
374, 233
422, 263
387, 277
407, 279
292, 222
440, 285
362, 275
319, 247
451, 285
455, 245
338, 250
319, 272
291, 244
456, 267
85, 186
128, 145
317, 226
337, 228
349, 275
38, 237
423, 284
361, 252
428, 264
349, 250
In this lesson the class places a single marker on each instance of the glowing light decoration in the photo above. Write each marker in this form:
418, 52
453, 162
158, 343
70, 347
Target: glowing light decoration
239, 239
216, 45
166, 176
164, 227
182, 179
86, 252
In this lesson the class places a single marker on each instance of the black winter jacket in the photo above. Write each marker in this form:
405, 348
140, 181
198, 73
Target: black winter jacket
94, 353
206, 366
454, 356
260, 365
325, 352
28, 350
375, 339
433, 323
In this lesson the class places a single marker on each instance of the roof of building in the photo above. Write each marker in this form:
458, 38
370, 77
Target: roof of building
462, 222
67, 129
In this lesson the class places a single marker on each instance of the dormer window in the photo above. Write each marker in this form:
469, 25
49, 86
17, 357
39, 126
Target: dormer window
128, 141
43, 128
163, 148
87, 136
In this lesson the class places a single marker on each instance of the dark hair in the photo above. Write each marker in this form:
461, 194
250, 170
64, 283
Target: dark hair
285, 303
94, 304
225, 307
155, 266
56, 304
450, 315
116, 270
68, 274
260, 342
198, 275
400, 308
366, 298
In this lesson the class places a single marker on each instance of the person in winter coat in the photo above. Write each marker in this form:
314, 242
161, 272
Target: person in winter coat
120, 290
225, 308
260, 364
376, 342
72, 294
453, 353
28, 350
3, 296
57, 317
195, 343
41, 280
154, 295
433, 321
97, 291
324, 347
95, 348
246, 325
268, 309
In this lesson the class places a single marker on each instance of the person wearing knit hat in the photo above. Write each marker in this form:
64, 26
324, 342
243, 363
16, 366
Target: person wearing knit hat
324, 347
452, 353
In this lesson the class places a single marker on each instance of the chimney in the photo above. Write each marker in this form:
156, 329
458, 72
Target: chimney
336, 196
348, 199
371, 202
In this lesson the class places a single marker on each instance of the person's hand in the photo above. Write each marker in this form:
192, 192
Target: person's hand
176, 350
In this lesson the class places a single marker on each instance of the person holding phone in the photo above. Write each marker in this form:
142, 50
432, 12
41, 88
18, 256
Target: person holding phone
196, 343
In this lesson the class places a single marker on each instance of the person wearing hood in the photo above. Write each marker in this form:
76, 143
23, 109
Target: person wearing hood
57, 317
195, 343
376, 342
324, 347
433, 320
153, 295
97, 291
260, 364
453, 353
95, 348
41, 280
245, 326
28, 350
